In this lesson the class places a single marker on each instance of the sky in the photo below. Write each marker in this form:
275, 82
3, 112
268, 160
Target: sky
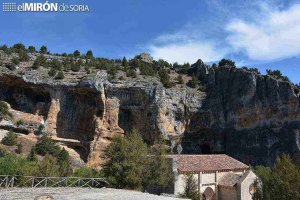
254, 33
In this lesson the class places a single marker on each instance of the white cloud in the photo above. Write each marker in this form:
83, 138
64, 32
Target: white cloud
274, 36
186, 52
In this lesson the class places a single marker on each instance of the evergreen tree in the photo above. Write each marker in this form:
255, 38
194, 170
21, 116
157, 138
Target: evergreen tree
226, 63
32, 155
43, 50
31, 49
76, 53
194, 82
4, 111
10, 139
124, 62
126, 158
64, 163
89, 54
180, 79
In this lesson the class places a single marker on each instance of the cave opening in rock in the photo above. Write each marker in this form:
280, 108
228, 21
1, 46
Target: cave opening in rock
205, 149
125, 120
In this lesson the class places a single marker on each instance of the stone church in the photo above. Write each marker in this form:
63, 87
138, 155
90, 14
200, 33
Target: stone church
218, 176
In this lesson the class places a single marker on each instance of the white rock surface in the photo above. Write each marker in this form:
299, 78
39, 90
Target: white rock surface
78, 194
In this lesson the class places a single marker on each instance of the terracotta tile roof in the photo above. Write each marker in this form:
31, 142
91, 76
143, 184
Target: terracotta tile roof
202, 163
229, 179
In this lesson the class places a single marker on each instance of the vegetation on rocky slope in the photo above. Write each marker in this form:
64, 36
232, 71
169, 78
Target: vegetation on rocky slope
142, 64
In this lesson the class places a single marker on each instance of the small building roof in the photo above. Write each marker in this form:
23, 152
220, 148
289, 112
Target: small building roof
202, 163
229, 180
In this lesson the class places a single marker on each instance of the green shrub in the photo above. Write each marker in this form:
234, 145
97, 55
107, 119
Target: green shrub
15, 60
131, 73
20, 122
87, 70
23, 57
35, 65
10, 139
47, 167
19, 148
18, 47
4, 111
194, 82
180, 79
75, 68
32, 155
165, 78
46, 145
55, 64
60, 75
52, 72
121, 78
277, 75
86, 172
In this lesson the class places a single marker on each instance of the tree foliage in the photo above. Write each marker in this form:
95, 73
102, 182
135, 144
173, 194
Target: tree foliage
279, 182
131, 166
126, 157
10, 139
277, 74
4, 111
43, 49
226, 63
46, 145
191, 188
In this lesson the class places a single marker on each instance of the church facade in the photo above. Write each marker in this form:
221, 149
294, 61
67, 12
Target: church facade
218, 176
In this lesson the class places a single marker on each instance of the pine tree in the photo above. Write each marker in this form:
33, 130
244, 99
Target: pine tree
124, 62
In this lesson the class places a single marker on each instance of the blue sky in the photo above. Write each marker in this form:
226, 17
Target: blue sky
263, 34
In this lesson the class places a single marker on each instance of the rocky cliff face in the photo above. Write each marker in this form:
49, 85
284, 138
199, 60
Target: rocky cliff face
244, 114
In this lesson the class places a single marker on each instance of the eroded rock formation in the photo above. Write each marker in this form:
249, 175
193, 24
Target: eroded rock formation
244, 114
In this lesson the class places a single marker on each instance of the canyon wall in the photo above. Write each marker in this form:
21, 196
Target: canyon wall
244, 114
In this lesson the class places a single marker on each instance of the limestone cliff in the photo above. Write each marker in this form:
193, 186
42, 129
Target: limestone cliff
244, 114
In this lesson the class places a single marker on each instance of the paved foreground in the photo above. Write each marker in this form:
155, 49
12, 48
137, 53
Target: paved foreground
78, 194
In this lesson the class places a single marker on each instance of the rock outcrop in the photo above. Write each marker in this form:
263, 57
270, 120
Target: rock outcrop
244, 114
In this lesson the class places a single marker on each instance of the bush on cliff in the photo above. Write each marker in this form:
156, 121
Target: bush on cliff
4, 111
10, 139
226, 63
15, 60
277, 74
165, 78
60, 75
46, 145
194, 82
52, 72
